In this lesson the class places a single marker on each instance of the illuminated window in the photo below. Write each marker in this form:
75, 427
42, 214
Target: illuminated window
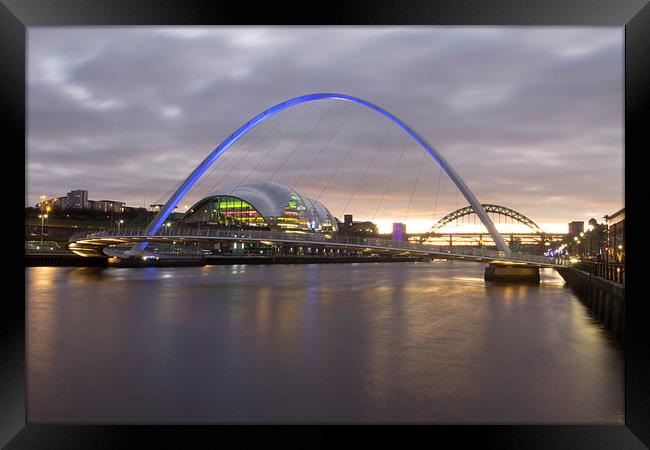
294, 215
226, 211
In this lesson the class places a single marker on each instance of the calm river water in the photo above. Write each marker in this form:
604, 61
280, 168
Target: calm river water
357, 343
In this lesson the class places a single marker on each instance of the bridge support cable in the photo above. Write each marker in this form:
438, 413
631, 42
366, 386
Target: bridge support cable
302, 141
345, 158
284, 136
241, 180
225, 174
245, 155
291, 153
417, 179
322, 149
372, 160
142, 217
274, 146
390, 180
435, 204
237, 146
198, 172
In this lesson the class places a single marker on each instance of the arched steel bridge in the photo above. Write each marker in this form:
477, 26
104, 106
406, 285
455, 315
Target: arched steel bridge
489, 208
93, 243
196, 174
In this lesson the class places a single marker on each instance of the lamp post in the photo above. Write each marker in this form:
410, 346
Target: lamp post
42, 217
580, 248
119, 222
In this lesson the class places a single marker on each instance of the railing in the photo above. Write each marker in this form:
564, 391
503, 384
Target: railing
45, 247
316, 238
610, 271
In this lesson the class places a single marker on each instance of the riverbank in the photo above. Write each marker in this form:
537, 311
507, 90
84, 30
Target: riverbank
62, 260
221, 260
606, 299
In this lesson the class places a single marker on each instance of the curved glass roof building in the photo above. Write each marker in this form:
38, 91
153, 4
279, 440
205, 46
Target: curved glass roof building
263, 204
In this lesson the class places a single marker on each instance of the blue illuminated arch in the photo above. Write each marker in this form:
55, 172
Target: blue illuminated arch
180, 193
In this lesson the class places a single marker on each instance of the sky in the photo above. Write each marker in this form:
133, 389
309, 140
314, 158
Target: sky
530, 117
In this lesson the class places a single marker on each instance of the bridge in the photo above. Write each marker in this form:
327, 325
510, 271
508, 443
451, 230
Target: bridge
93, 243
489, 208
533, 236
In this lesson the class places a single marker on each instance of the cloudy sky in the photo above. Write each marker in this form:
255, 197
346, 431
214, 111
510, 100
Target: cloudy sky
532, 118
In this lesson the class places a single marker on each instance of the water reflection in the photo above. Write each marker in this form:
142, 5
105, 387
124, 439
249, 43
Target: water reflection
84, 274
364, 343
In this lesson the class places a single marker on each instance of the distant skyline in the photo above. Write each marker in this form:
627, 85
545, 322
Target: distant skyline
531, 117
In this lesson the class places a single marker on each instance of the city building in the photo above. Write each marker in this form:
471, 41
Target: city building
133, 209
77, 199
51, 204
262, 204
575, 228
109, 206
399, 232
156, 207
595, 241
347, 219
616, 236
359, 228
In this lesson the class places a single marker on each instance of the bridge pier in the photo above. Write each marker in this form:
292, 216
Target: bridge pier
507, 271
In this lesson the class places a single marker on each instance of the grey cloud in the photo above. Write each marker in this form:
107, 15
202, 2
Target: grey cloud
129, 112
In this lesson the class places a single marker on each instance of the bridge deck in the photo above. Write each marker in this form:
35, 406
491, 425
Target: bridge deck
100, 239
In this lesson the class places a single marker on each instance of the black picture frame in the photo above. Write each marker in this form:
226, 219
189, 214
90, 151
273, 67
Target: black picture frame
634, 15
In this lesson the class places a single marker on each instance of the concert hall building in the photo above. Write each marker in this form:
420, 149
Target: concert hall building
262, 205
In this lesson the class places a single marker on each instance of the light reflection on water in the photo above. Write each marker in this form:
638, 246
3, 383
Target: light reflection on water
398, 342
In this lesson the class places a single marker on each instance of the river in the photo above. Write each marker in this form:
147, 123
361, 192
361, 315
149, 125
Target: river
319, 343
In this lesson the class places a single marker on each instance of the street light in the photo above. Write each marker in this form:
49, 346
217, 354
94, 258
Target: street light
42, 217
42, 197
119, 222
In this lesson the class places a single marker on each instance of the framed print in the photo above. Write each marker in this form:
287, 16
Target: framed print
425, 215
